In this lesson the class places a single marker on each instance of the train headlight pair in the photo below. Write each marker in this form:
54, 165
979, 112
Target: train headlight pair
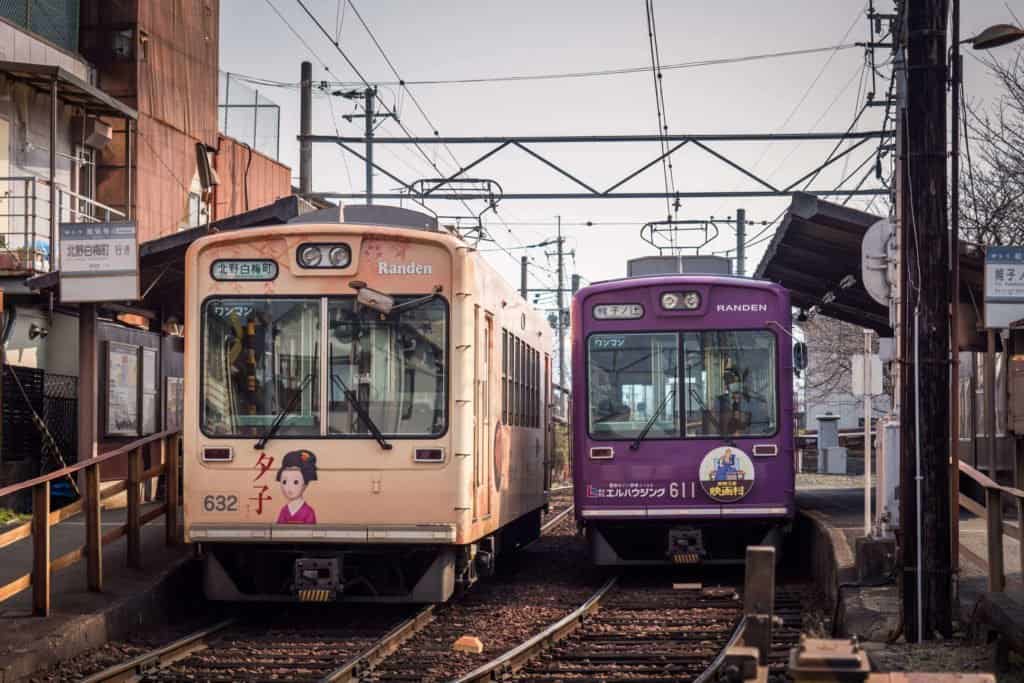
680, 301
324, 255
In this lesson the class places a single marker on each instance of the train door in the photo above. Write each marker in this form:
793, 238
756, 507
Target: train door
482, 441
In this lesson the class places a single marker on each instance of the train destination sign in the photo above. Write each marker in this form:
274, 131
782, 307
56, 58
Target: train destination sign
244, 269
1004, 286
98, 262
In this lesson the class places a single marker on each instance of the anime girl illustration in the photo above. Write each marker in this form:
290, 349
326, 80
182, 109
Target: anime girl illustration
298, 468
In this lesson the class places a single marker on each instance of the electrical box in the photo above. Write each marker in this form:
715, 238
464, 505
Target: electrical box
1015, 414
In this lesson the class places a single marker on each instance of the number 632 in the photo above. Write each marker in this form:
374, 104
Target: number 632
220, 503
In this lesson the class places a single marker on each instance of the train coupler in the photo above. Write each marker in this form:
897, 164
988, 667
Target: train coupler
686, 546
316, 579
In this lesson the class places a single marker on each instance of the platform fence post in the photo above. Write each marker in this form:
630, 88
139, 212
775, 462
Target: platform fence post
994, 539
134, 555
93, 529
171, 463
41, 549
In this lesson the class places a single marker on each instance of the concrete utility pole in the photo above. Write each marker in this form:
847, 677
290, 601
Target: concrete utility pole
369, 96
370, 116
926, 583
561, 307
741, 238
306, 128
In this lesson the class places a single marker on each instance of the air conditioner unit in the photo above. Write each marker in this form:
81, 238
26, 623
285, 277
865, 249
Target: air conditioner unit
92, 132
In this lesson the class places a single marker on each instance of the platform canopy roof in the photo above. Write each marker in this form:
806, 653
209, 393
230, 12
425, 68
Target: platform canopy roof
817, 245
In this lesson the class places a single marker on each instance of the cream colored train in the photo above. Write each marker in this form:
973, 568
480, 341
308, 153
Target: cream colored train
366, 414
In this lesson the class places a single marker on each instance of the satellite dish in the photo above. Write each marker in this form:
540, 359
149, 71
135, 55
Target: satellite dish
877, 251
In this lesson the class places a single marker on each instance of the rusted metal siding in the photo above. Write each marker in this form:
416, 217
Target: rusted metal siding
159, 56
165, 169
248, 179
178, 56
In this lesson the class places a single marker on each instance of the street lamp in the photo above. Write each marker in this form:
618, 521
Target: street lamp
995, 36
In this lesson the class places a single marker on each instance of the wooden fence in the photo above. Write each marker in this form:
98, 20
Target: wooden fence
995, 527
163, 449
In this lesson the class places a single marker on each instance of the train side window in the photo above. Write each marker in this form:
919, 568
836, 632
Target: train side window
504, 376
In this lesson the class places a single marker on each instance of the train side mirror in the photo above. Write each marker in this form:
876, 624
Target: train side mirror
799, 356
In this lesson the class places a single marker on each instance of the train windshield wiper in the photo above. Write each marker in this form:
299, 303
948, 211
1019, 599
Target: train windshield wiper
363, 413
650, 422
269, 434
416, 303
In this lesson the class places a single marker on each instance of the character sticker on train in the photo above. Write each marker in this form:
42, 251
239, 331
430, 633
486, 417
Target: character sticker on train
726, 474
298, 468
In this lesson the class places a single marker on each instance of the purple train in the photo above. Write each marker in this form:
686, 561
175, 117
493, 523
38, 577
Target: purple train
682, 435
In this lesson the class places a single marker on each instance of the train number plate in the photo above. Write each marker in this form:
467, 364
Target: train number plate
220, 502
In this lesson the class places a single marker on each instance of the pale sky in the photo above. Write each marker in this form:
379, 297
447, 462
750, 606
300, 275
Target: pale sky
450, 39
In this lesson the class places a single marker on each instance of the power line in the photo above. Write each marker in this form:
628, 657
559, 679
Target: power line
583, 74
667, 172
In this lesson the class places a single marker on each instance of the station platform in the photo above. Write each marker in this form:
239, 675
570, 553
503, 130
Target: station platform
832, 518
81, 619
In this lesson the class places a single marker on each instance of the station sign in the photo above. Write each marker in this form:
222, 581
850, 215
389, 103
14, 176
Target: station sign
1004, 286
99, 262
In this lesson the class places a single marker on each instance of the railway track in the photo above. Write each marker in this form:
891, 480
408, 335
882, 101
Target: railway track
253, 650
257, 650
639, 632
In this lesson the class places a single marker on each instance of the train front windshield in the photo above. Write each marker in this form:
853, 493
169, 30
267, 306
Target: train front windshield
691, 385
261, 356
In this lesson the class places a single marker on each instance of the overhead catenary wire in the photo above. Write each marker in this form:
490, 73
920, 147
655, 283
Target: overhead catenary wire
577, 74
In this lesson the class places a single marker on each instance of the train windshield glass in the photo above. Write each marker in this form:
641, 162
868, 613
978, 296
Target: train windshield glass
730, 383
631, 377
393, 365
259, 357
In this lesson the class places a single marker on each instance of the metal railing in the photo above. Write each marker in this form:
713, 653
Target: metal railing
25, 221
995, 527
163, 449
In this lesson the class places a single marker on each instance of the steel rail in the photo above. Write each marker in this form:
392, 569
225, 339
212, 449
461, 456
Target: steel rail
515, 658
557, 518
160, 657
716, 663
382, 649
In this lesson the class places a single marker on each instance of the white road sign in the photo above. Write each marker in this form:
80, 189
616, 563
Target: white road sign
98, 262
874, 374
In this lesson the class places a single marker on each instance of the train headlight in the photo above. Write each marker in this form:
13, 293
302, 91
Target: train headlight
339, 256
618, 311
310, 256
680, 301
324, 255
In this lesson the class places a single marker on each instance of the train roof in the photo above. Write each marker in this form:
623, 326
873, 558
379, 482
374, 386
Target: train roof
679, 278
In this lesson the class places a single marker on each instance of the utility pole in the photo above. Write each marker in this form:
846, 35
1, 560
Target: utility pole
926, 582
369, 96
741, 239
524, 287
306, 128
561, 307
575, 283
